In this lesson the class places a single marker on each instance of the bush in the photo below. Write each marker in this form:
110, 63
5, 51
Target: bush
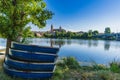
58, 74
99, 67
115, 67
71, 62
105, 75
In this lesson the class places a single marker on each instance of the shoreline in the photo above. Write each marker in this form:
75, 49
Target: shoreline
2, 53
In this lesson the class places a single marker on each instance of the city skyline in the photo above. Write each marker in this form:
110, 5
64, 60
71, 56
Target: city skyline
84, 15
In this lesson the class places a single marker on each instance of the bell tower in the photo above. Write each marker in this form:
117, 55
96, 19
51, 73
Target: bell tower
60, 28
51, 28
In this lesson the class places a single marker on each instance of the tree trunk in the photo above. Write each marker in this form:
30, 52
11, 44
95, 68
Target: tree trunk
8, 45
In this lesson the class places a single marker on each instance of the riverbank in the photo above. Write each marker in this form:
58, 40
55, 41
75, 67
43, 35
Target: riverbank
2, 49
70, 69
2, 54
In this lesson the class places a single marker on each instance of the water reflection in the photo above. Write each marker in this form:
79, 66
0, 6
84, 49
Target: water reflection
69, 42
106, 45
58, 43
99, 51
61, 42
95, 43
89, 43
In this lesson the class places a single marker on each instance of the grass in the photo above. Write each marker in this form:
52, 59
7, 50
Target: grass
69, 69
115, 67
3, 76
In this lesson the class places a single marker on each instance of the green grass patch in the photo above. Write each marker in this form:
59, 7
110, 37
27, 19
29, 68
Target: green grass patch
70, 69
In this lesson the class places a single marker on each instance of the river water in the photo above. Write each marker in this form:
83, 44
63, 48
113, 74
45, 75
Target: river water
98, 51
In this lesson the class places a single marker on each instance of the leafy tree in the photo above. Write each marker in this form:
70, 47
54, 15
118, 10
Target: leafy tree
16, 14
95, 32
71, 62
0, 36
85, 35
90, 34
107, 30
56, 34
62, 34
69, 34
48, 35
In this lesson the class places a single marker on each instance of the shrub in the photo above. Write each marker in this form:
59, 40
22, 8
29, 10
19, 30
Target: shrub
71, 62
105, 75
99, 67
115, 67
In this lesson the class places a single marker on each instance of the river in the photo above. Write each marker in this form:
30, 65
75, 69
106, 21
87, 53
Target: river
87, 51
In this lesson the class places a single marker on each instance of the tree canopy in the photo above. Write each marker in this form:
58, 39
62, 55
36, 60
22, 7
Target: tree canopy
107, 30
16, 14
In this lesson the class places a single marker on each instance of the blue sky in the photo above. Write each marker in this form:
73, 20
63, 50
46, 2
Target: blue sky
83, 15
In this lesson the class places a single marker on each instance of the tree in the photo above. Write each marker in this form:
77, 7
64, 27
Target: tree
89, 33
107, 30
16, 14
0, 36
69, 34
56, 34
84, 35
95, 32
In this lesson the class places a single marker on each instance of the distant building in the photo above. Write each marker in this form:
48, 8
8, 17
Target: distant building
118, 36
58, 30
80, 32
107, 36
38, 33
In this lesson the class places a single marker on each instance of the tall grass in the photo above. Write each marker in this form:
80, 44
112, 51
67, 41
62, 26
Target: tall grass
115, 67
70, 69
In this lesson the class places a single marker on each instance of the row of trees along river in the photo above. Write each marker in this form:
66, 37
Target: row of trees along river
84, 35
